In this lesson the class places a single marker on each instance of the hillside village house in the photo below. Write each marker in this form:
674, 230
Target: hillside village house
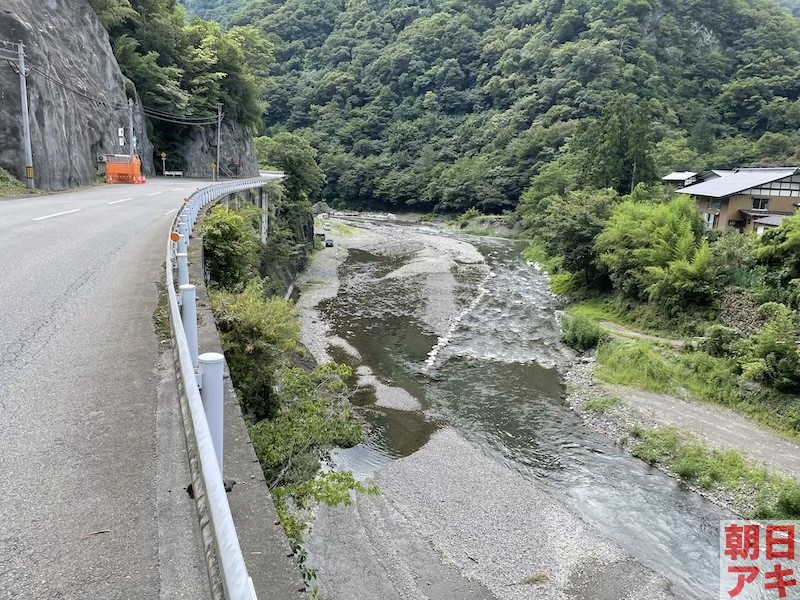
680, 179
749, 200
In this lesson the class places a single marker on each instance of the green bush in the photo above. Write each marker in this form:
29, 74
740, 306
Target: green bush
10, 185
230, 248
580, 333
719, 340
255, 333
564, 283
312, 417
771, 355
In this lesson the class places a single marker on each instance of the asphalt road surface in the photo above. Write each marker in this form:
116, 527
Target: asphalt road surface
92, 466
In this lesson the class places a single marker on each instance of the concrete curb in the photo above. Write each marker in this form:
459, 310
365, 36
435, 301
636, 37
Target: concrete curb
198, 485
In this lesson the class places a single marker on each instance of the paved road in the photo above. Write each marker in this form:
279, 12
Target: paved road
91, 450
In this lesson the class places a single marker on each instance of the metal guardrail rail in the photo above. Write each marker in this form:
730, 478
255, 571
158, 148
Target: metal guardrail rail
236, 582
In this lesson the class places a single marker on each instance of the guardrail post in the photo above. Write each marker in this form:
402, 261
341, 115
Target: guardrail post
183, 268
211, 367
183, 242
189, 318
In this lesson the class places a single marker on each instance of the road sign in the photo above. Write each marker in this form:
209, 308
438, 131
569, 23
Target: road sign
163, 155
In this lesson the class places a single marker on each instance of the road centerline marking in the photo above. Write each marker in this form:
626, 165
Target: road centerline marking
155, 193
118, 201
66, 212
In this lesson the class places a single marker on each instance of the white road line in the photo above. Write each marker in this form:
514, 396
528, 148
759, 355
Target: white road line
169, 212
66, 212
155, 193
118, 201
178, 190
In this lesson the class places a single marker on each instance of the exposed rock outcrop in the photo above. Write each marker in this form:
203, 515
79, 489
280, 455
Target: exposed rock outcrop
237, 152
75, 90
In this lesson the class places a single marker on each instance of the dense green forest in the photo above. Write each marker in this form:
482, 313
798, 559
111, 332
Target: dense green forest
448, 104
185, 67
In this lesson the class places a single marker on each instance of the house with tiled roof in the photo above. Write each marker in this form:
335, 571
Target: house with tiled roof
738, 199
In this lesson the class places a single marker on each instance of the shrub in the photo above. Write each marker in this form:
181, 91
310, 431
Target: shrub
230, 248
255, 332
564, 283
311, 418
719, 340
771, 355
580, 333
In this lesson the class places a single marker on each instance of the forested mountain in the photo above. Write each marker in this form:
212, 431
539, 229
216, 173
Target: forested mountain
447, 104
221, 11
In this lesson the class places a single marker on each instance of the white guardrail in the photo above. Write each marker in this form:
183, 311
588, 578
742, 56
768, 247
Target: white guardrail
236, 583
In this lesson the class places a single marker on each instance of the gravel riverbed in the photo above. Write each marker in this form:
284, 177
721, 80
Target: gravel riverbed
450, 522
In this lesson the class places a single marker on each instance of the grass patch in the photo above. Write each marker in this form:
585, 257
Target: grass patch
642, 318
343, 230
11, 186
651, 367
602, 405
535, 253
581, 333
539, 578
776, 496
637, 364
161, 313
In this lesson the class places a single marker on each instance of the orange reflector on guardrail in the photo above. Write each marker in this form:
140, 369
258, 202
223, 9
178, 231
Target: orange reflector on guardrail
175, 236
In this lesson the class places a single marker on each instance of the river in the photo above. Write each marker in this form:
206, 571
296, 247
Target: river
475, 342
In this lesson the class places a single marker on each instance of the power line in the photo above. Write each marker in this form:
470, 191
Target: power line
181, 117
178, 121
78, 92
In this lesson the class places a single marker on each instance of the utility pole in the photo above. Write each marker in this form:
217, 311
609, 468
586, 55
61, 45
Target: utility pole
26, 126
130, 126
219, 127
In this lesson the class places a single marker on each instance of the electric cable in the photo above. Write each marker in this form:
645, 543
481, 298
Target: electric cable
178, 121
151, 113
162, 113
77, 92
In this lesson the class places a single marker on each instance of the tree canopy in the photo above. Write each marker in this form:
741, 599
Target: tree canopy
449, 104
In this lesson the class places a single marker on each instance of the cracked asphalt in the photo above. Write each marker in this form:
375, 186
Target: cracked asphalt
92, 462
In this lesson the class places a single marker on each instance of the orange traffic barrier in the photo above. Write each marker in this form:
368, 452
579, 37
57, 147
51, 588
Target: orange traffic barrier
121, 168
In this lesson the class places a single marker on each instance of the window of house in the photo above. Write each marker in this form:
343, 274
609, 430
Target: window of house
760, 203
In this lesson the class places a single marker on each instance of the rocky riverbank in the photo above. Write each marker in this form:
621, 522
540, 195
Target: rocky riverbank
450, 522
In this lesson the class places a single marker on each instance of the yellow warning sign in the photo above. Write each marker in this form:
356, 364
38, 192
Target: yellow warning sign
28, 172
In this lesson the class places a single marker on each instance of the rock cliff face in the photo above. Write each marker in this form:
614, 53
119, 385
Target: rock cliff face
75, 91
237, 152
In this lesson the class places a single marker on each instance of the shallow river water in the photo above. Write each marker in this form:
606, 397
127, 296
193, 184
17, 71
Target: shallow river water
491, 376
